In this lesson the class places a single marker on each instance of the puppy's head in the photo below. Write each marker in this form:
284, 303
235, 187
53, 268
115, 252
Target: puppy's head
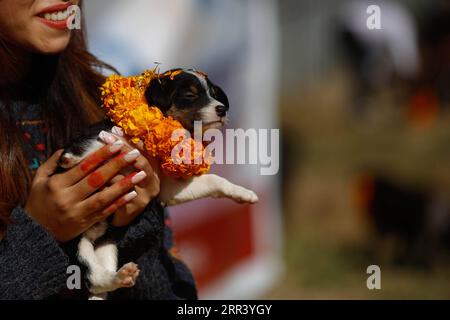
189, 96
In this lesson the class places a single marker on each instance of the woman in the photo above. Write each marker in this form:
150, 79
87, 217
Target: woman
49, 95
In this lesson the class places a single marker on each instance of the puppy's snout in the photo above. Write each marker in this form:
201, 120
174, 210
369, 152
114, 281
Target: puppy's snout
221, 110
68, 160
63, 160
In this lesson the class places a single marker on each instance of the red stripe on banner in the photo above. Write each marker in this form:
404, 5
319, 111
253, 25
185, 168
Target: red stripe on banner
216, 243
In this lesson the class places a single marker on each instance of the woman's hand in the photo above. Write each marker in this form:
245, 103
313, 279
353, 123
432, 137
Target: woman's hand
146, 190
67, 204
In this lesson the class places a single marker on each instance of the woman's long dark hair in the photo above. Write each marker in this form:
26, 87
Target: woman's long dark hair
67, 87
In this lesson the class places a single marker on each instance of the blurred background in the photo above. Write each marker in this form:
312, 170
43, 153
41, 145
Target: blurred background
364, 133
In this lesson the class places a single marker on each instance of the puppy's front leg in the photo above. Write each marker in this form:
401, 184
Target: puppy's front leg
177, 191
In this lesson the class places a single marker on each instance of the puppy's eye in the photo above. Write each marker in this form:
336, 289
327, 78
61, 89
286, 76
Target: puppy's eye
190, 96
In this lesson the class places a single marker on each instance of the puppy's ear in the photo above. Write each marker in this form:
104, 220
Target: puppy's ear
218, 94
158, 95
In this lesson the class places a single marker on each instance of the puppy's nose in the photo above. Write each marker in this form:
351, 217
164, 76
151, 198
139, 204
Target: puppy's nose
221, 111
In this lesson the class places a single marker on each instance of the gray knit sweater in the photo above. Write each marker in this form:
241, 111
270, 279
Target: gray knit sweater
33, 265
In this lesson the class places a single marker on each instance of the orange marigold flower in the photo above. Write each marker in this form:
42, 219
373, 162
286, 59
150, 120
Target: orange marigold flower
125, 104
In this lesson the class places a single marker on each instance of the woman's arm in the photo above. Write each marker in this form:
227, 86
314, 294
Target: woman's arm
32, 264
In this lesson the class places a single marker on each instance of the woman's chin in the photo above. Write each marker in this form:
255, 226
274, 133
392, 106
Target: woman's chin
52, 42
53, 46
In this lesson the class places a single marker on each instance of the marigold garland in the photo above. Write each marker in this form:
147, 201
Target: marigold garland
125, 104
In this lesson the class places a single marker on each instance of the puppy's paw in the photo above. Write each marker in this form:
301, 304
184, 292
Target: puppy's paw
107, 281
242, 195
100, 296
127, 275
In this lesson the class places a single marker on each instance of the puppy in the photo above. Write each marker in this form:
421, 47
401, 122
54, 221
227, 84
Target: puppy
188, 97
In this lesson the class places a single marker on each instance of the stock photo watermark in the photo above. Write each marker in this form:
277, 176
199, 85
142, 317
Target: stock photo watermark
74, 17
374, 280
73, 281
373, 21
251, 146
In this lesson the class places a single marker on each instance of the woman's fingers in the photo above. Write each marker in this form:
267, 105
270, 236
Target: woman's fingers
119, 203
89, 164
117, 178
143, 164
117, 131
102, 175
49, 166
112, 197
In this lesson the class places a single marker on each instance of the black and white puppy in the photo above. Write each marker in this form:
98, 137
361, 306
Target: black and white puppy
188, 97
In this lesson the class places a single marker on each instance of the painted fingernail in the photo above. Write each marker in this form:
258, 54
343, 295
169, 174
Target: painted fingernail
116, 146
118, 131
139, 177
107, 137
132, 155
130, 196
